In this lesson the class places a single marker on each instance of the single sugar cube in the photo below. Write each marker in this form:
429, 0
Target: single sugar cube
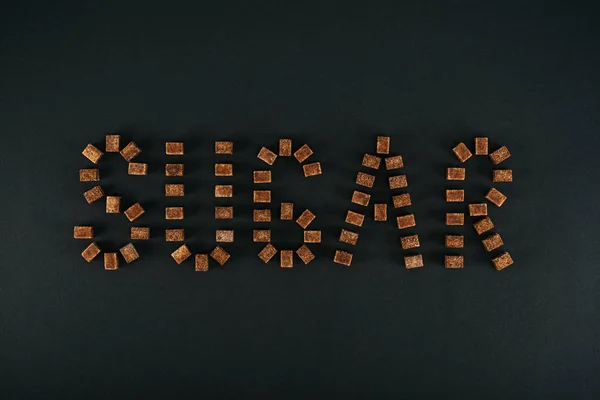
305, 219
453, 262
500, 155
481, 146
394, 163
262, 176
223, 147
305, 254
134, 212
285, 147
113, 143
409, 242
90, 252
406, 221
223, 212
262, 196
267, 155
220, 255
365, 179
478, 209
174, 189
361, 198
94, 194
83, 232
201, 262
455, 195
398, 182
483, 225
224, 236
455, 241
287, 258
261, 235
89, 175
287, 211
174, 148
502, 175
261, 215
455, 219
223, 190
173, 169
92, 153
496, 197
462, 152
139, 233
349, 237
492, 242
174, 235
137, 168
303, 153
380, 212
129, 253
371, 161
130, 151
455, 174
355, 218
174, 213
342, 257
312, 236
224, 169
383, 145
181, 254
414, 261
111, 261
502, 261
267, 253
113, 204
401, 200
312, 169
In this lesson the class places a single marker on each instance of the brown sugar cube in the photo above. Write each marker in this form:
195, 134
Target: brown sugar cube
305, 219
262, 196
174, 213
365, 179
409, 242
478, 209
113, 143
380, 213
496, 197
453, 219
500, 155
455, 195
348, 237
397, 182
401, 200
305, 254
224, 236
492, 242
220, 255
223, 147
285, 147
406, 221
223, 190
455, 174
174, 235
139, 233
361, 198
201, 264
483, 225
130, 151
502, 175
134, 212
111, 261
355, 218
303, 153
342, 257
312, 169
394, 162
267, 156
462, 152
481, 146
129, 253
261, 235
173, 169
223, 169
502, 261
455, 241
94, 194
83, 232
89, 175
261, 215
383, 145
137, 169
415, 261
174, 148
113, 204
223, 212
90, 252
92, 153
174, 189
262, 176
370, 161
312, 236
287, 211
267, 253
181, 254
286, 258
453, 262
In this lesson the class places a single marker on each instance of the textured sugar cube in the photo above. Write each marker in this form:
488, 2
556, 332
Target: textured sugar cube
220, 255
89, 175
361, 198
113, 204
287, 211
312, 236
223, 147
355, 218
453, 262
262, 176
90, 252
481, 146
223, 169
113, 143
174, 235
478, 209
181, 254
455, 195
267, 156
173, 169
500, 155
455, 174
111, 261
129, 253
394, 163
415, 261
492, 242
223, 212
305, 254
371, 161
342, 257
174, 213
312, 169
224, 236
502, 175
409, 242
83, 232
262, 196
455, 241
94, 194
261, 215
383, 145
455, 219
261, 235
502, 261
380, 212
174, 148
401, 200
223, 190
201, 262
365, 179
462, 152
305, 219
130, 151
483, 225
286, 258
267, 253
303, 153
139, 233
406, 221
174, 189
137, 169
134, 212
496, 197
285, 147
397, 182
92, 153
348, 237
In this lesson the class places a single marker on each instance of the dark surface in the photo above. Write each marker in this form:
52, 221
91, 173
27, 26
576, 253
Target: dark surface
333, 76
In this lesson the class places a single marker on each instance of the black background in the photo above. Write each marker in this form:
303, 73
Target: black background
334, 75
